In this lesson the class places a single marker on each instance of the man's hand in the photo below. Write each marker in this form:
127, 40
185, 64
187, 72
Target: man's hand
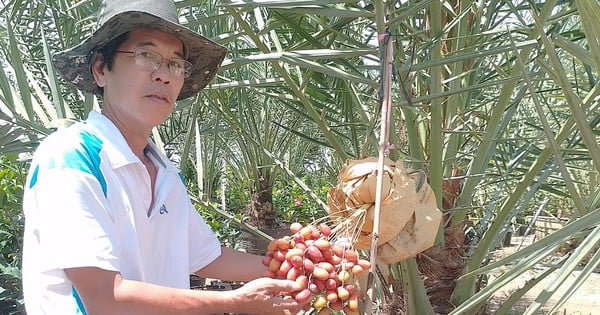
262, 296
106, 292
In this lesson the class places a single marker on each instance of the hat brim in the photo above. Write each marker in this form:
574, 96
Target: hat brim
205, 55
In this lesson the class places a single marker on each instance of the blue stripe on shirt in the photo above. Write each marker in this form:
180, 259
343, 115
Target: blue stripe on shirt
80, 307
83, 156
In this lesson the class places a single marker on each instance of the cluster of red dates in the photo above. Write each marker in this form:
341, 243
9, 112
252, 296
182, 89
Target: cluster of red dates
324, 269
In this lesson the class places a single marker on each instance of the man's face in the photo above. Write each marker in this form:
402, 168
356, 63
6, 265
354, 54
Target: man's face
135, 96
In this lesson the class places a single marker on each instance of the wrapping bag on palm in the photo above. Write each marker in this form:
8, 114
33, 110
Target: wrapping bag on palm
409, 218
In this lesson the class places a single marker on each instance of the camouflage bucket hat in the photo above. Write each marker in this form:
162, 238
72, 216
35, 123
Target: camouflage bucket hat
120, 16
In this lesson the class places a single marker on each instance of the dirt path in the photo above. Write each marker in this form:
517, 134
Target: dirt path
585, 301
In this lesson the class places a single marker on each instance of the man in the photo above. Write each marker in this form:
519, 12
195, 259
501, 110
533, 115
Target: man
109, 227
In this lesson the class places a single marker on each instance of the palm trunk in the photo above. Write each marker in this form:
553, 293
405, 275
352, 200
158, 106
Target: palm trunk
260, 209
441, 266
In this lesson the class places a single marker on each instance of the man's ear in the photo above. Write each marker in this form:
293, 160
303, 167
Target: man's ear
98, 70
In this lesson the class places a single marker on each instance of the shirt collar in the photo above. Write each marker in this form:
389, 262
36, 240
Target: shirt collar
118, 151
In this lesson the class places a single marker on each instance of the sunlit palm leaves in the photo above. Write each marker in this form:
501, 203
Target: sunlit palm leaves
500, 96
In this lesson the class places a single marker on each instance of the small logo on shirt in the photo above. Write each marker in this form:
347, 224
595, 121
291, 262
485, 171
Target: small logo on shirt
163, 209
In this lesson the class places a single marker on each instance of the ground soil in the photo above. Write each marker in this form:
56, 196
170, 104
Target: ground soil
585, 301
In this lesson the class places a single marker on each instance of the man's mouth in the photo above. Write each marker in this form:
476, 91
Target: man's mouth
160, 97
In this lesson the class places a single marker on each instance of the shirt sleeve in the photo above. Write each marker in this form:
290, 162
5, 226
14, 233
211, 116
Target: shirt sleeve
204, 244
72, 221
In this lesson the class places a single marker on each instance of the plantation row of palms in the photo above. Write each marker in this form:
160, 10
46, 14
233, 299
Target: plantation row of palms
496, 101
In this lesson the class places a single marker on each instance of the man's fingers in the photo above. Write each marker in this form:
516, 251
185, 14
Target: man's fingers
285, 285
289, 305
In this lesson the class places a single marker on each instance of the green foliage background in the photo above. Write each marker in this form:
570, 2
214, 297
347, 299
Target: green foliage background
12, 178
499, 98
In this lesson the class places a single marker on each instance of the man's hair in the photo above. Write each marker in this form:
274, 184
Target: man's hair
109, 51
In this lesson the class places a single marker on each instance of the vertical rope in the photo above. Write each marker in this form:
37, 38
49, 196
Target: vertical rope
386, 46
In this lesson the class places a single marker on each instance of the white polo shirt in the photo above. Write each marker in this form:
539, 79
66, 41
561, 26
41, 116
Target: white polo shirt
86, 204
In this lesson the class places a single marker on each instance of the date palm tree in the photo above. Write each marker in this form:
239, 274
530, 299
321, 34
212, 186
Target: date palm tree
497, 101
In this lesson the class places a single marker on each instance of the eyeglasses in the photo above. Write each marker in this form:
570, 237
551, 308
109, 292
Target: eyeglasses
150, 60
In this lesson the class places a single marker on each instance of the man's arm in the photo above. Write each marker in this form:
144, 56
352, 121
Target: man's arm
106, 292
234, 265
